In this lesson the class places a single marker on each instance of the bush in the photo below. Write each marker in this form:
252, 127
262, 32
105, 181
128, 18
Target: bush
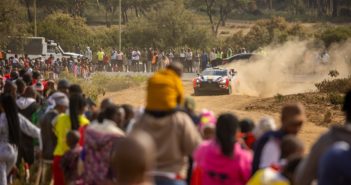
276, 30
279, 97
336, 98
101, 83
342, 85
334, 35
115, 83
333, 73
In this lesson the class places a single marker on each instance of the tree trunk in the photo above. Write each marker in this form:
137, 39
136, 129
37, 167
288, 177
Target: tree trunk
106, 18
221, 14
209, 5
335, 8
125, 16
29, 13
270, 4
112, 15
136, 11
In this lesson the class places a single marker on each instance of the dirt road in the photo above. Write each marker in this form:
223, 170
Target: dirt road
218, 104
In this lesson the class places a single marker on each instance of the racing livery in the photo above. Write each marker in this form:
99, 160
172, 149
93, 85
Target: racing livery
215, 80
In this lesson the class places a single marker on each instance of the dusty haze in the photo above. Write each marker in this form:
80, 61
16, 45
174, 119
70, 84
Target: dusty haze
290, 68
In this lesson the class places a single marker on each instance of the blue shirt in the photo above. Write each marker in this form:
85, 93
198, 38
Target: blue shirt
335, 165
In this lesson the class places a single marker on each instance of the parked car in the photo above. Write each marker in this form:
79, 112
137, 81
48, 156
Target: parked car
237, 57
36, 47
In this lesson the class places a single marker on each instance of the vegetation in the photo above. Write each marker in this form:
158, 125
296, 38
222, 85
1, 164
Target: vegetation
101, 83
336, 98
170, 26
279, 97
69, 31
167, 23
264, 32
12, 20
336, 34
341, 85
335, 88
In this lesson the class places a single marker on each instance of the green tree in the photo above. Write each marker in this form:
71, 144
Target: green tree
69, 31
264, 32
12, 20
140, 7
219, 10
171, 25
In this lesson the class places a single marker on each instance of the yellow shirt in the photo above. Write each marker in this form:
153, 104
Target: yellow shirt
61, 128
165, 91
268, 176
100, 55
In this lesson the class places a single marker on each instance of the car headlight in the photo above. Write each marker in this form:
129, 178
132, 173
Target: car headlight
223, 81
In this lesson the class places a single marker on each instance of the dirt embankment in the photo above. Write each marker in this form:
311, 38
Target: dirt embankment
242, 105
318, 108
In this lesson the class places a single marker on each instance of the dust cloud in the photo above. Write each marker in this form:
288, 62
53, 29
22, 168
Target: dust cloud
291, 68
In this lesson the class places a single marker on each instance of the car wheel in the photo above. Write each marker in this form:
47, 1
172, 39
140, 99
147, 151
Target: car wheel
196, 92
229, 91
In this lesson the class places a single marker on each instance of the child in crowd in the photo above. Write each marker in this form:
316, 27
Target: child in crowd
207, 125
265, 125
69, 161
292, 150
246, 127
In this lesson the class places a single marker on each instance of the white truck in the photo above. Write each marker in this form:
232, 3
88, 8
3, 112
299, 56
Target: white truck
36, 47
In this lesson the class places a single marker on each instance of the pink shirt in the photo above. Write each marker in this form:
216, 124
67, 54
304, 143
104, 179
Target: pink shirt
218, 169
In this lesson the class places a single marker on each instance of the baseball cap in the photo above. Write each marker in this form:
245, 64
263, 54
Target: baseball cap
63, 84
59, 98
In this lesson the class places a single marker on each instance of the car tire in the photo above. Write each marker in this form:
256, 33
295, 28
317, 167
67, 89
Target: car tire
196, 93
229, 91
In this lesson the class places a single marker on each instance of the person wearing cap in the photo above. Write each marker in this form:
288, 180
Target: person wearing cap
207, 124
267, 149
63, 86
173, 131
59, 104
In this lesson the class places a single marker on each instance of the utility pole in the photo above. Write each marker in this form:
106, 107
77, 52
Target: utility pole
35, 18
120, 25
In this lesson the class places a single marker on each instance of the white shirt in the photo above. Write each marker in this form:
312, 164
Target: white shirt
189, 55
15, 60
114, 55
136, 55
182, 55
270, 153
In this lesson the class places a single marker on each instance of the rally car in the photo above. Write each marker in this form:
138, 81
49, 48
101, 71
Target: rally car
215, 80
